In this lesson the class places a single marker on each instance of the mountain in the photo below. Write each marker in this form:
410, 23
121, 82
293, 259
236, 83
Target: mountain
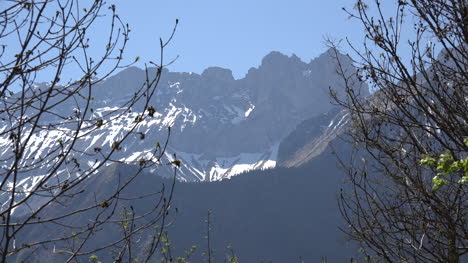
238, 124
272, 128
285, 214
312, 137
221, 126
277, 215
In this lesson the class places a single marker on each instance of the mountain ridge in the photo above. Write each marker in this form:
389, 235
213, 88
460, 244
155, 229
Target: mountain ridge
220, 126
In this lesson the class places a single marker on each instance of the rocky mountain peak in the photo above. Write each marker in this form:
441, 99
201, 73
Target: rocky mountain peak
220, 126
278, 61
218, 73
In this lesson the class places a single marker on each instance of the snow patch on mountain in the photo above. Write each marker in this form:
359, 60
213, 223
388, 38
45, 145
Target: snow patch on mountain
226, 167
249, 110
318, 136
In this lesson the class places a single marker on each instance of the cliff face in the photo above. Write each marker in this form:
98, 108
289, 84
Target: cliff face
220, 126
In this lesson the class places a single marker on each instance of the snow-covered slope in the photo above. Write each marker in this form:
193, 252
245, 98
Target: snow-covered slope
312, 137
220, 126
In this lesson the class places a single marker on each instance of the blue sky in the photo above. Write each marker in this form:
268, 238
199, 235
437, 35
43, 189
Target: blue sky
235, 34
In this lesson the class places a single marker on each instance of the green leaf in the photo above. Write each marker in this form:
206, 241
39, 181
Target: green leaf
438, 181
464, 179
137, 58
428, 161
94, 259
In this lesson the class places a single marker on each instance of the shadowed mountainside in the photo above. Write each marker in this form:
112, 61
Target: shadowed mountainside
278, 215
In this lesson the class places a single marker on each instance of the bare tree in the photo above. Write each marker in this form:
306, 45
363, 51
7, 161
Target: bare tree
47, 38
398, 209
